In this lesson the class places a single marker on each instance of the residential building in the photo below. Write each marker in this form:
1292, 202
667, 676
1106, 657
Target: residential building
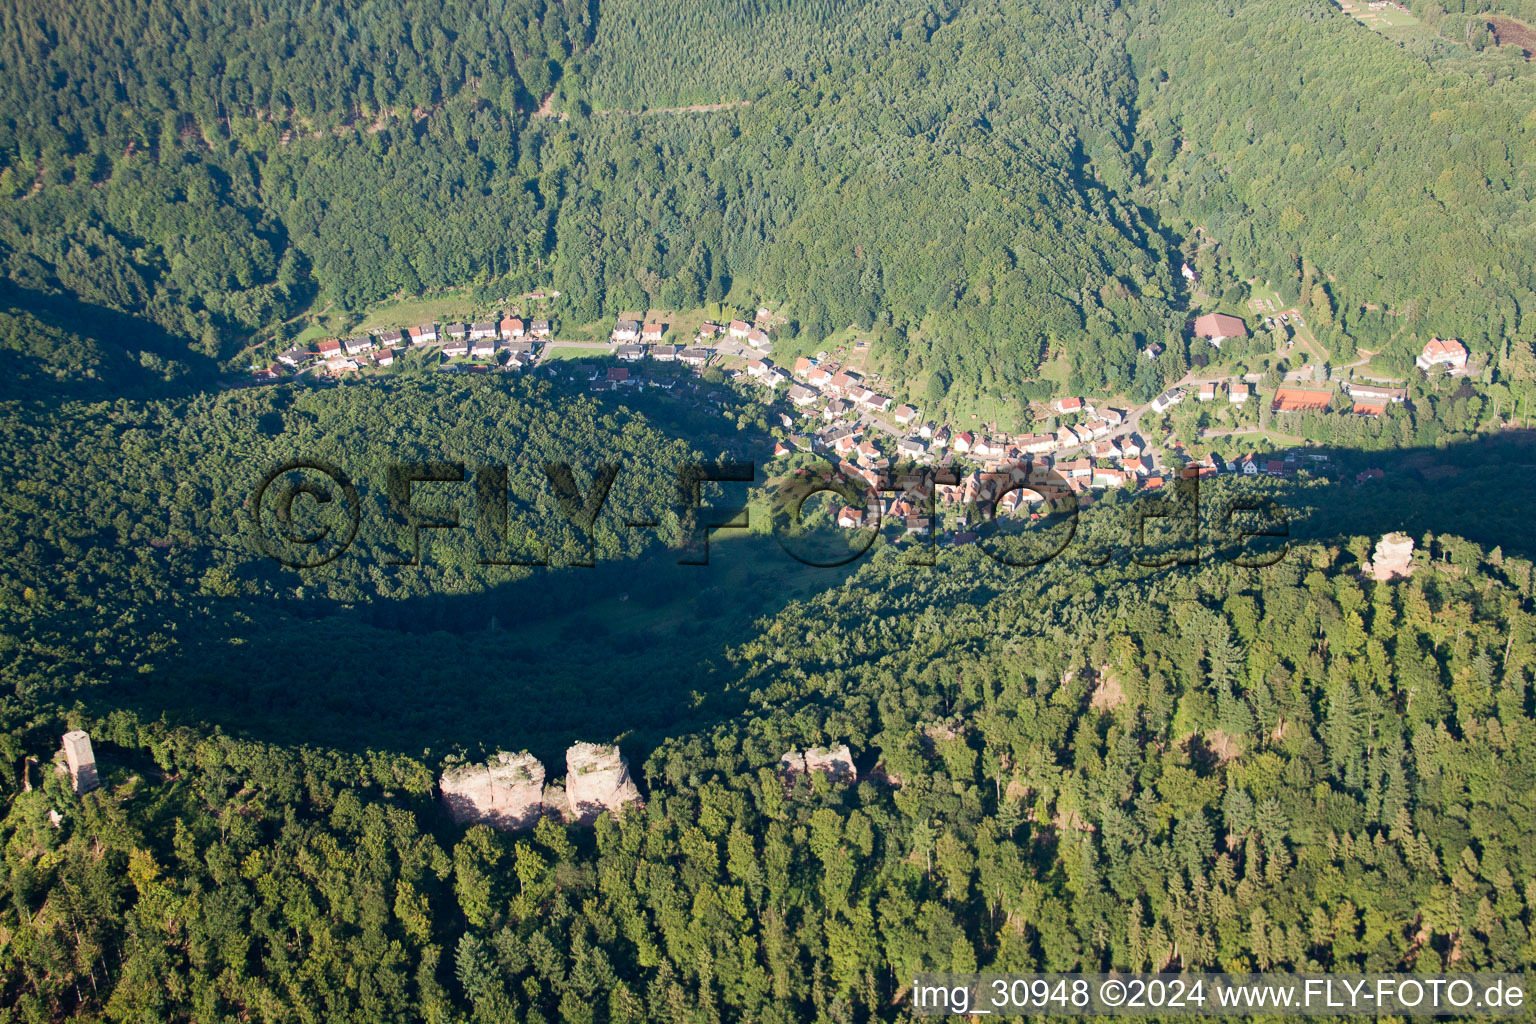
1449, 352
626, 331
1218, 327
482, 330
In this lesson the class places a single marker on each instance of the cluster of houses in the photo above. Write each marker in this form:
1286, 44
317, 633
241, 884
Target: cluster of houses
484, 340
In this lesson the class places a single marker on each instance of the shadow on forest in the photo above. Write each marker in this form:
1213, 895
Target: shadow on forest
637, 650
119, 337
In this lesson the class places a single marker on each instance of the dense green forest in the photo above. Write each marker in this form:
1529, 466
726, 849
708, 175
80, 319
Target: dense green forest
984, 185
1100, 762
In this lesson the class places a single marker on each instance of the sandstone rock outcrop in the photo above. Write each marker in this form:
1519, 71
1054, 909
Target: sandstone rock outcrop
506, 792
596, 780
1393, 558
836, 763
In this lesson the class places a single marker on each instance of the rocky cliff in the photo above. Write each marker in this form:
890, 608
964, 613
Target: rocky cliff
596, 780
507, 792
835, 762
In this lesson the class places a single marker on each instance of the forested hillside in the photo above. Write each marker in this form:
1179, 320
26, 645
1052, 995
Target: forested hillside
1093, 763
985, 184
1292, 133
1199, 770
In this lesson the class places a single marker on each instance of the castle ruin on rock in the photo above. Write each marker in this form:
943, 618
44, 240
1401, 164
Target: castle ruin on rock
509, 791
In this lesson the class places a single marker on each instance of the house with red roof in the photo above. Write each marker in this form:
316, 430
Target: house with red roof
1218, 327
1449, 352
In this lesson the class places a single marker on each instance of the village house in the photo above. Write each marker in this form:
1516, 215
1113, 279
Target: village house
963, 442
1113, 417
392, 338
803, 366
1167, 400
1110, 478
940, 438
482, 330
1450, 353
780, 449
664, 353
1189, 274
426, 334
482, 348
836, 409
357, 346
693, 356
295, 357
867, 451
1237, 394
1067, 405
618, 375
849, 517
1152, 351
1066, 437
630, 353
774, 377
757, 339
1207, 391
626, 331
739, 329
652, 332
456, 347
802, 396
844, 441
708, 330
330, 348
456, 331
1218, 327
1094, 430
877, 403
985, 448
512, 328
905, 414
1139, 467
911, 447
539, 329
386, 357
1075, 469
1104, 450
843, 382
1130, 447
818, 377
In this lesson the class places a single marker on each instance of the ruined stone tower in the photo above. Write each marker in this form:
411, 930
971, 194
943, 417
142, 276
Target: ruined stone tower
82, 761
